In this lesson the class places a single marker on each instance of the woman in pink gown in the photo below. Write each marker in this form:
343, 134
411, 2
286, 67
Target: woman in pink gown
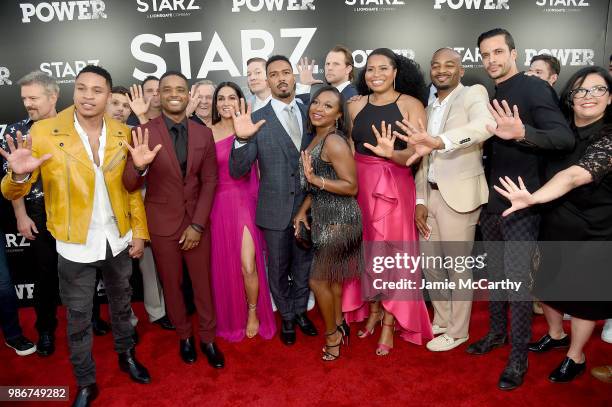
395, 90
239, 287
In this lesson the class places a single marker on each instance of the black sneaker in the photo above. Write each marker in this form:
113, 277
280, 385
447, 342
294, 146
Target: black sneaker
22, 345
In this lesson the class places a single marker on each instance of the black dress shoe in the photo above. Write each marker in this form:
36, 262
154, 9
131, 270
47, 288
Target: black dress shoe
487, 344
129, 364
187, 350
85, 395
213, 354
306, 325
547, 343
567, 371
46, 344
287, 333
512, 376
164, 323
100, 327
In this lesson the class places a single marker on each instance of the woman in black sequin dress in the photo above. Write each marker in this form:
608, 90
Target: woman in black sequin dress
327, 171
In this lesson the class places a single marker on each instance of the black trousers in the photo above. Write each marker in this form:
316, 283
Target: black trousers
77, 286
510, 244
46, 285
286, 259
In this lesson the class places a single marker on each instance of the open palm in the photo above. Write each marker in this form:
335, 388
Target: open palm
518, 196
20, 159
243, 124
137, 101
385, 141
142, 155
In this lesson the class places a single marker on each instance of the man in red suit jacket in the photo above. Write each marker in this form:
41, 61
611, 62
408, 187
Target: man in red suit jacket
180, 178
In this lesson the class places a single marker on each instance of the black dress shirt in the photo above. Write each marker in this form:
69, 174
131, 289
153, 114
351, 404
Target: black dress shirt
178, 135
546, 132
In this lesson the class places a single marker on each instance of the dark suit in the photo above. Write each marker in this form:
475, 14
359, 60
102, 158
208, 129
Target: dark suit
172, 203
348, 92
280, 196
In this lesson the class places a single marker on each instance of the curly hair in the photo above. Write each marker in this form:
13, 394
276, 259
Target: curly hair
409, 79
216, 117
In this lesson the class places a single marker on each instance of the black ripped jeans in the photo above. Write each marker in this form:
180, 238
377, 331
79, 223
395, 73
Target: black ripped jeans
77, 284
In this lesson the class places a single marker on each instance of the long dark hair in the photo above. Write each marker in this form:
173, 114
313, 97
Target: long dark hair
216, 118
409, 79
575, 81
342, 121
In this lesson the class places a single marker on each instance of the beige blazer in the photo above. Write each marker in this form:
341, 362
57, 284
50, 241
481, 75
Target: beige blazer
459, 172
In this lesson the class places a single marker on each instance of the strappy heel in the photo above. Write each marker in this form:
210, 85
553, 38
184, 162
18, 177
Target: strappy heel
364, 333
252, 307
330, 357
345, 330
383, 349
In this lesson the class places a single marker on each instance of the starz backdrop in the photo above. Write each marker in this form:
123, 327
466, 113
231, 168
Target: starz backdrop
214, 38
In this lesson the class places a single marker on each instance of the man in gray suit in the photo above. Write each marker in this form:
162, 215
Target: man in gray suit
275, 141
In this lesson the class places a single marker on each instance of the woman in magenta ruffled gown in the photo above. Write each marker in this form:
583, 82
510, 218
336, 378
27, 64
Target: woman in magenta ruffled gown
240, 291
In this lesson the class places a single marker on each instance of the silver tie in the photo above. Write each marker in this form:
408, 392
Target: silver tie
294, 127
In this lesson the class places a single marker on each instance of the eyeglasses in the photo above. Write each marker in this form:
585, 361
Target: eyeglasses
595, 91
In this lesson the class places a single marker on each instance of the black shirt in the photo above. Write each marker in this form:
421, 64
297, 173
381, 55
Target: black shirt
545, 129
178, 135
35, 199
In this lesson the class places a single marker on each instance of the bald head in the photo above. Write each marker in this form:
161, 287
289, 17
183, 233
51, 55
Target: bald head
447, 53
446, 70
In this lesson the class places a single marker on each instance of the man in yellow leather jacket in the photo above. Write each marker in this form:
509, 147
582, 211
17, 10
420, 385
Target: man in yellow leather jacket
80, 155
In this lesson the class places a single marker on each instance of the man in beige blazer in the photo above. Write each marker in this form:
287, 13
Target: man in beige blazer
450, 189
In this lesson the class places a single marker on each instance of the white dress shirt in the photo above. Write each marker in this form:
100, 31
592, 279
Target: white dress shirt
301, 89
103, 225
259, 103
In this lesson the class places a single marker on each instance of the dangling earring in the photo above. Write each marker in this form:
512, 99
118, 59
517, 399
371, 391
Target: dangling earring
393, 83
336, 124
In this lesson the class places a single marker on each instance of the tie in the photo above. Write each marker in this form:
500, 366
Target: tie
180, 146
293, 127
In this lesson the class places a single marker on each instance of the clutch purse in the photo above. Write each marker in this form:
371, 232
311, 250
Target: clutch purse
304, 236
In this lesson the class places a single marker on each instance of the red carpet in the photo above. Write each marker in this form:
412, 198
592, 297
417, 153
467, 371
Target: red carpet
266, 373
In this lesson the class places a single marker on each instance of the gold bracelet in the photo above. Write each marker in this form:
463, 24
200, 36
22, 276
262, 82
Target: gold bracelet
323, 181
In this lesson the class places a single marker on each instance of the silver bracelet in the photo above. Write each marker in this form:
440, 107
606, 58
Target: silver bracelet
322, 186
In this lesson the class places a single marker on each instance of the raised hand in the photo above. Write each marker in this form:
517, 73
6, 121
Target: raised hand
194, 101
243, 124
307, 164
306, 71
385, 140
141, 154
20, 158
509, 124
418, 137
137, 101
518, 196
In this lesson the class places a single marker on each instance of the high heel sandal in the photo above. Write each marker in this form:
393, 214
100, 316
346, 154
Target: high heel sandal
383, 349
345, 330
330, 357
364, 333
252, 307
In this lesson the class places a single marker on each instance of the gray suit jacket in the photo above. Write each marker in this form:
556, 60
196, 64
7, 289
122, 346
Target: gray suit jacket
280, 193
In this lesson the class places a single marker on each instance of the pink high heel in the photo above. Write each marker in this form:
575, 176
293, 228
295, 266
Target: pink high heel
383, 349
364, 333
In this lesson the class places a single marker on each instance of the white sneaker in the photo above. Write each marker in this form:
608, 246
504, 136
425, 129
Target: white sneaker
606, 332
437, 329
445, 342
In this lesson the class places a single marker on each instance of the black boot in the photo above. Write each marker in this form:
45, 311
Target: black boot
85, 395
46, 344
129, 364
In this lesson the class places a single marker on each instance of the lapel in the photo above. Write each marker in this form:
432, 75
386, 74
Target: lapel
451, 99
193, 141
166, 141
279, 134
68, 140
306, 137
